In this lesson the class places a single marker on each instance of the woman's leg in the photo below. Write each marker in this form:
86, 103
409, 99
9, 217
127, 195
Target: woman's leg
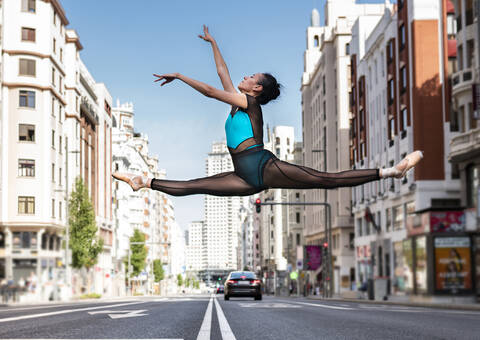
223, 184
280, 174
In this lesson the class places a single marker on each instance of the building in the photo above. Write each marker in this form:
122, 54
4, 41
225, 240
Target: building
222, 221
53, 113
325, 124
406, 230
464, 120
273, 223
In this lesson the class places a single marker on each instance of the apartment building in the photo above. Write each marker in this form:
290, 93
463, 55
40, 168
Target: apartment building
325, 128
405, 230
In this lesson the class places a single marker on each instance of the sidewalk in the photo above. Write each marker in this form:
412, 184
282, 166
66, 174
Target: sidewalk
409, 301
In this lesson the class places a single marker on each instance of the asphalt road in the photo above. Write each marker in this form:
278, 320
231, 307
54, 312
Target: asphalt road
210, 317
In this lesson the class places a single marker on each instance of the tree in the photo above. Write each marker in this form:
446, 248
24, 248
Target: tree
179, 280
138, 253
158, 270
85, 245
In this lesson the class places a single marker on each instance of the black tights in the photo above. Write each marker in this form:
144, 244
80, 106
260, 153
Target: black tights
277, 174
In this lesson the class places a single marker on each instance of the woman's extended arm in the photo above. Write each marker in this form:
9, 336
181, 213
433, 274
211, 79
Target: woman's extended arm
222, 68
232, 98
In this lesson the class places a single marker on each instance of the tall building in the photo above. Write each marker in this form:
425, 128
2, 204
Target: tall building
465, 115
406, 230
53, 113
195, 259
222, 223
273, 222
325, 122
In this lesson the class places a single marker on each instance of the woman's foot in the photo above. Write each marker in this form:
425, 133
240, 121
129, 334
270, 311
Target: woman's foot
135, 181
400, 170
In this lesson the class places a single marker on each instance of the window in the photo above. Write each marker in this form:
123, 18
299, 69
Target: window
473, 182
61, 55
401, 33
277, 140
460, 57
404, 118
403, 74
392, 128
390, 51
28, 34
53, 207
53, 172
53, 139
297, 217
28, 6
60, 144
27, 99
60, 209
347, 49
54, 46
26, 205
388, 217
298, 239
391, 91
397, 217
60, 176
53, 76
26, 168
26, 133
54, 19
26, 67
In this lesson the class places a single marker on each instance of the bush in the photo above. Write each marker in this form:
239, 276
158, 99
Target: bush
91, 296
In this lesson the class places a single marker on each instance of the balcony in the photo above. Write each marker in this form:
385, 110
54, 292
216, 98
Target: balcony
465, 146
462, 81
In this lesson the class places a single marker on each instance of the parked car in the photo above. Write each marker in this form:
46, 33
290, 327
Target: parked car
220, 289
243, 284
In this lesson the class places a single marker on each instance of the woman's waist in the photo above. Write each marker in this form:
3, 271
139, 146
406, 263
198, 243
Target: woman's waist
248, 151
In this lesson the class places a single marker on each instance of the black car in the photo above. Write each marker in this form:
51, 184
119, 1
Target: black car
243, 284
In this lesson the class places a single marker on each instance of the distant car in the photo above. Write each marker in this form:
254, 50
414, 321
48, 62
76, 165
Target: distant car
243, 284
220, 289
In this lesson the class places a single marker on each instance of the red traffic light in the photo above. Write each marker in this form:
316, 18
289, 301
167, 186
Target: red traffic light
258, 201
325, 244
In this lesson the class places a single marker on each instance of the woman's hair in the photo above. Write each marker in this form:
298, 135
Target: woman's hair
271, 89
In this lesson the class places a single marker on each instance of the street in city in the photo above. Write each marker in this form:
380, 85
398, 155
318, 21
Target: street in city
210, 317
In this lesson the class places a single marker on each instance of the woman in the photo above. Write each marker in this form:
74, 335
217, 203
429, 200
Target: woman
256, 169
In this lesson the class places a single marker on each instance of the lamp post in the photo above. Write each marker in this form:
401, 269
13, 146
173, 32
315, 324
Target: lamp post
328, 231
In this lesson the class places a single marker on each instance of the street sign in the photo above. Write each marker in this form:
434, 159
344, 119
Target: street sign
299, 264
294, 275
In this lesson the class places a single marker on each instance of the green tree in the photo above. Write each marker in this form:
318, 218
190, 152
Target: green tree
187, 282
138, 253
158, 270
85, 244
179, 280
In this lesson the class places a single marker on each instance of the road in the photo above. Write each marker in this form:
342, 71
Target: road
210, 317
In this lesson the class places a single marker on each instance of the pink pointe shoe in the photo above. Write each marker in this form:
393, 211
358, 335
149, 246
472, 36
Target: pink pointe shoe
137, 182
407, 163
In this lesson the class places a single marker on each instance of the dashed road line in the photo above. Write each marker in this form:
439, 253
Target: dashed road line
205, 329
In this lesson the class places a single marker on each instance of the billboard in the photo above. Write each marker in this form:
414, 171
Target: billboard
313, 257
453, 268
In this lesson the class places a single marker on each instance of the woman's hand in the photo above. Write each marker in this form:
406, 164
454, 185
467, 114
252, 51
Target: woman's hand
206, 36
169, 77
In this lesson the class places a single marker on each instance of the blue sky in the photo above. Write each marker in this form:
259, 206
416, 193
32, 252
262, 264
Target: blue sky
126, 41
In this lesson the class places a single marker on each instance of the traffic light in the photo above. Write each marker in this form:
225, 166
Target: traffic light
325, 245
219, 279
258, 206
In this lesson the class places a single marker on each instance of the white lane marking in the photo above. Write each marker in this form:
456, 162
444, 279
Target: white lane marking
178, 299
119, 314
324, 306
98, 339
57, 305
266, 305
225, 329
204, 333
15, 318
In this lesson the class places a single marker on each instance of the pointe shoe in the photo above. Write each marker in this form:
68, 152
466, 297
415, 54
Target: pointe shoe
408, 162
137, 182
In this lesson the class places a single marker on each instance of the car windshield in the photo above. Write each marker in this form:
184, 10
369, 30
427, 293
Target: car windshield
242, 275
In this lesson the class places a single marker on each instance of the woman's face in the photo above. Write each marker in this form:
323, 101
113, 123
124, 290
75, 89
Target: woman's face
250, 83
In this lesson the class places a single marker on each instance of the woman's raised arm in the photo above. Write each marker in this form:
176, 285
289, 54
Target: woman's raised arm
222, 68
232, 98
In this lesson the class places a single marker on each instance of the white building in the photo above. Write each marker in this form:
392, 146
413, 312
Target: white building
58, 109
274, 219
325, 118
196, 261
222, 222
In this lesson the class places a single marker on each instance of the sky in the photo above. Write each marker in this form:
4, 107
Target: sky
125, 42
